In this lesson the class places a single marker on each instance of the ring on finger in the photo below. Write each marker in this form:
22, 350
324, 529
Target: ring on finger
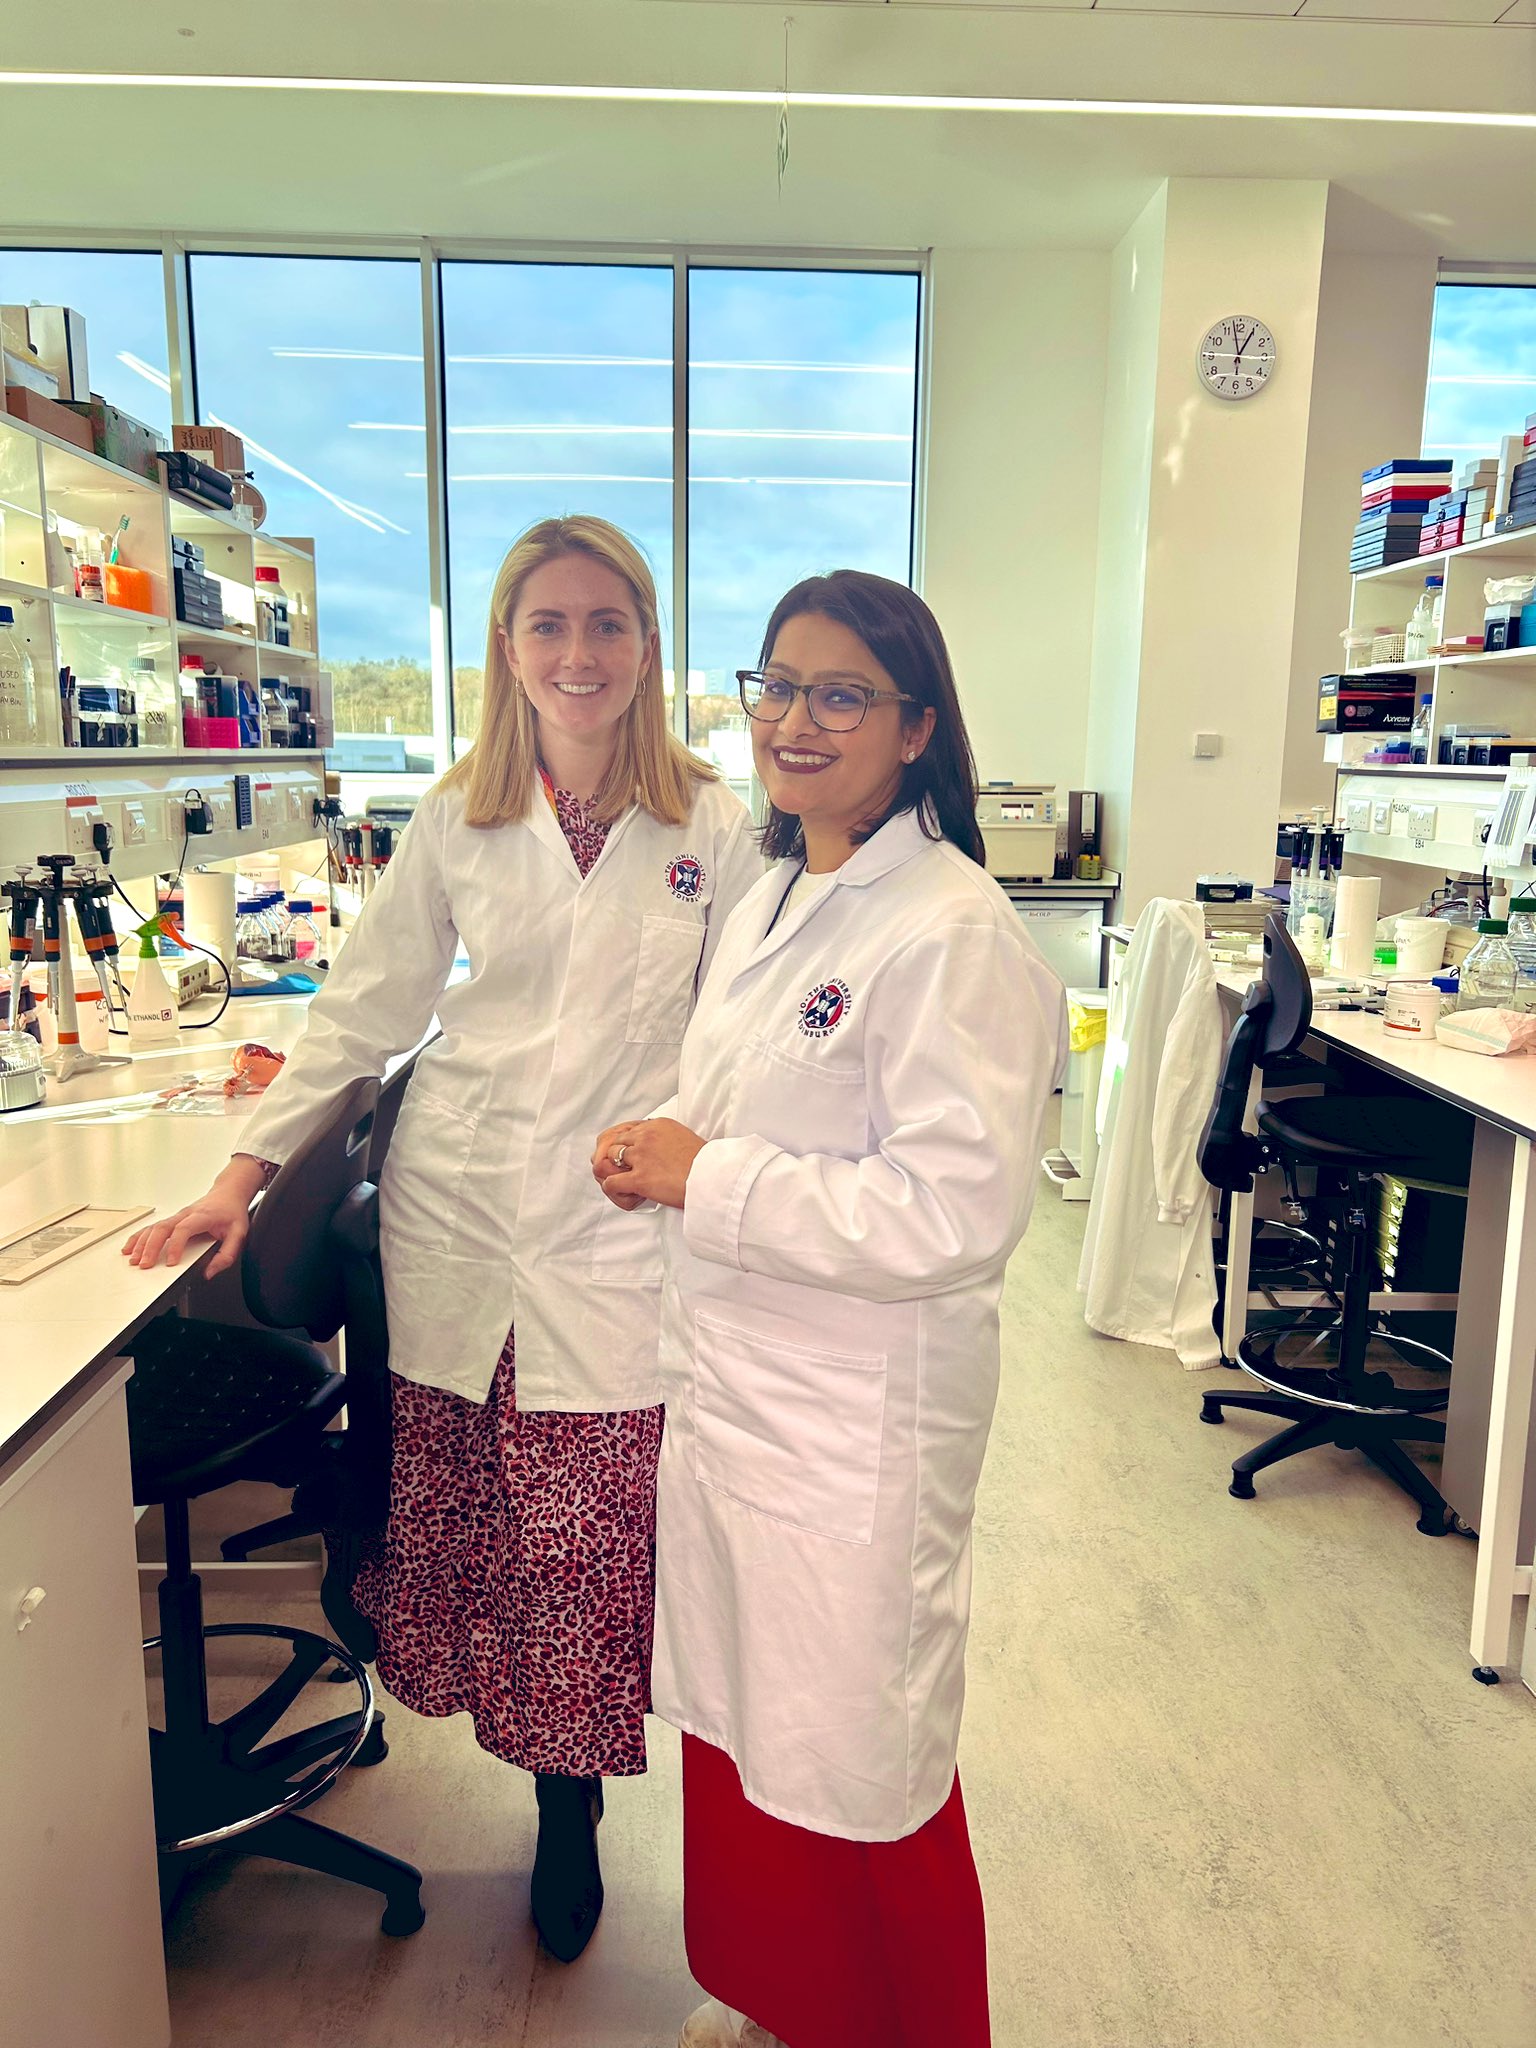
618, 1154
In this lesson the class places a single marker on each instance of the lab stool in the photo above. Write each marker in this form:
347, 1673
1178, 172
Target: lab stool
207, 1405
1349, 1141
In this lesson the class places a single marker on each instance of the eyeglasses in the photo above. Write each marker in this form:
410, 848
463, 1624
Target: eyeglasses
835, 707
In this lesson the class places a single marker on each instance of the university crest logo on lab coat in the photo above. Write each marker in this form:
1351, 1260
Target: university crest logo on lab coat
824, 1009
685, 878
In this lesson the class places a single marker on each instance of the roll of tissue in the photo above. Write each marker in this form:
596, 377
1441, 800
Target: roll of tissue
1354, 924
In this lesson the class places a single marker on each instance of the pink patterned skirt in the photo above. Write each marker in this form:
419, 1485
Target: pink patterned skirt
515, 1579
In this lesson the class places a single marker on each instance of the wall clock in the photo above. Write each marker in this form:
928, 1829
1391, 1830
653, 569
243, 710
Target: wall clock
1236, 359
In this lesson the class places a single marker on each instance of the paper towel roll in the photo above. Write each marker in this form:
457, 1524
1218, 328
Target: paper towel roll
1355, 911
211, 910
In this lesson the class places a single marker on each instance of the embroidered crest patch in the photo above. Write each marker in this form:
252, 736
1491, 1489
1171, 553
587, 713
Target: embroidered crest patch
824, 1008
685, 878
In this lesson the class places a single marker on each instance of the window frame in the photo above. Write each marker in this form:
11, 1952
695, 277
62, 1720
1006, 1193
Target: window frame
430, 253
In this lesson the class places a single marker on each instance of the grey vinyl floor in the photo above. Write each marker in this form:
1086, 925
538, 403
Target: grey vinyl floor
1229, 1778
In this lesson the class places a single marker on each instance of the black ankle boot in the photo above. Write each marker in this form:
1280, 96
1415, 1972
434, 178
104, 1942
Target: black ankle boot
567, 1888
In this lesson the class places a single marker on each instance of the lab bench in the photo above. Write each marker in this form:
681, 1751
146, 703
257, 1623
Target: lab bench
1488, 1468
75, 1807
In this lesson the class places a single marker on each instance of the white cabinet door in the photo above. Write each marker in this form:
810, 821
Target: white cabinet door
78, 1895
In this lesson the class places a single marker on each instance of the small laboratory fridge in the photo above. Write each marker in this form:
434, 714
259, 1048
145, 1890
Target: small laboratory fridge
1066, 925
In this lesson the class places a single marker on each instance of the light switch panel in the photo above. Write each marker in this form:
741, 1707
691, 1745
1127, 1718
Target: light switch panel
1381, 815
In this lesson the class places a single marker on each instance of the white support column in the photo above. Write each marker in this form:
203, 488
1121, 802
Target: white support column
441, 636
680, 496
1498, 1580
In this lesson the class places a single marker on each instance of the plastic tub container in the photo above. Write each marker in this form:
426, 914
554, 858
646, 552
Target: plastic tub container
133, 589
1420, 946
1358, 642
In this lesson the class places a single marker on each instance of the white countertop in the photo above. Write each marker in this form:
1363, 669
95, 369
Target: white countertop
1499, 1090
96, 1139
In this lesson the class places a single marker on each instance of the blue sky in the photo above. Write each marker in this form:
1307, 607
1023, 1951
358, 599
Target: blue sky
1482, 369
558, 394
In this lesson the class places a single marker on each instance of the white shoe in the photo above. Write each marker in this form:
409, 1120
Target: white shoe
715, 2026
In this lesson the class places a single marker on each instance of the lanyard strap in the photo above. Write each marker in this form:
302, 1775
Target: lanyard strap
783, 900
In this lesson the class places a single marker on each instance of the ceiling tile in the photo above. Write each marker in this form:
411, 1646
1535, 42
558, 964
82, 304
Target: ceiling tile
1458, 11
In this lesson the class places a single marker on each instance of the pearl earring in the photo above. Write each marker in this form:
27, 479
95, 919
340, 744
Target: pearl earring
911, 757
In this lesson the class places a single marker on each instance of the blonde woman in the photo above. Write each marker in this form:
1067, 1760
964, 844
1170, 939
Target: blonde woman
583, 860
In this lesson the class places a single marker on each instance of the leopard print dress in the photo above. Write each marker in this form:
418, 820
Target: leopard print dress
516, 1576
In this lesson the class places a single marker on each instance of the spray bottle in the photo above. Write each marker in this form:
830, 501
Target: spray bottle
152, 1014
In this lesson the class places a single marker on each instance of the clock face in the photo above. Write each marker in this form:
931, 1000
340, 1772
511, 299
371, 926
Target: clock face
1237, 357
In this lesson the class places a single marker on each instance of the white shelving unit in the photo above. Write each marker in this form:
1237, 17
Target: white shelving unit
49, 490
1454, 803
1467, 688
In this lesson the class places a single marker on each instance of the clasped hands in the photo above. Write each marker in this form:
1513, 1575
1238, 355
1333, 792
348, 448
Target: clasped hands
647, 1161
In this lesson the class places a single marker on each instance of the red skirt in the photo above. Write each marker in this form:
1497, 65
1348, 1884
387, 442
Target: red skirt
515, 1579
829, 1943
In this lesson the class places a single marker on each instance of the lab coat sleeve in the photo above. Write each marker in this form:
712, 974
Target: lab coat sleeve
963, 1045
1186, 1083
379, 997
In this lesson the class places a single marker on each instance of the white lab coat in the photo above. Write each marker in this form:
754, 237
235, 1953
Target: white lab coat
571, 1018
871, 1077
1148, 1270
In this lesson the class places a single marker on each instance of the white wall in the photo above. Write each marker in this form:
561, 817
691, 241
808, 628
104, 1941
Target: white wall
1016, 415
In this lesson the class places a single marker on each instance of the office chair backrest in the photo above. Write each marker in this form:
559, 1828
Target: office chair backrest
1276, 1016
293, 1272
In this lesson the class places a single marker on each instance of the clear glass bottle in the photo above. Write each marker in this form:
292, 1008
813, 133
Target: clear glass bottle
1522, 943
271, 606
1489, 972
1418, 739
1424, 627
302, 928
157, 703
18, 686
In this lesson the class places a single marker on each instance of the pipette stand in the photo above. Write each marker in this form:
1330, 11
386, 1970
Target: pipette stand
63, 886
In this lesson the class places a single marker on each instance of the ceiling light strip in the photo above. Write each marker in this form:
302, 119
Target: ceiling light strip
719, 96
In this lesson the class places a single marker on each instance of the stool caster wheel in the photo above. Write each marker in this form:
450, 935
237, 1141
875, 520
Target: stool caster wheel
1210, 1411
1485, 1674
374, 1748
1241, 1487
1462, 1528
403, 1916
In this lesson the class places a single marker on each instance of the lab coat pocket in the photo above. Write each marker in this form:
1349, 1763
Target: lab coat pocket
419, 1196
792, 1430
670, 950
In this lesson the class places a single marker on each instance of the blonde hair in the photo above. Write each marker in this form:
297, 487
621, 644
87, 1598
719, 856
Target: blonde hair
650, 767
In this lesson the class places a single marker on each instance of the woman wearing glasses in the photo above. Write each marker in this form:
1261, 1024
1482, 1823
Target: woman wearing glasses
848, 1163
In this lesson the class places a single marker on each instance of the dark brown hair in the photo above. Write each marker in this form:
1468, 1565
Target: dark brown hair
904, 637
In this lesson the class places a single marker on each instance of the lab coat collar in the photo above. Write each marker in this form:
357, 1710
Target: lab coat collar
897, 841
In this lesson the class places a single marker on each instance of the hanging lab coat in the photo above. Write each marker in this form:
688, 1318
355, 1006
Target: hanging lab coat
571, 1018
1148, 1270
871, 1076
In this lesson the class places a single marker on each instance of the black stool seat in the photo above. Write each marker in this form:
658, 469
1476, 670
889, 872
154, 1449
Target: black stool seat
1422, 1140
209, 1403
